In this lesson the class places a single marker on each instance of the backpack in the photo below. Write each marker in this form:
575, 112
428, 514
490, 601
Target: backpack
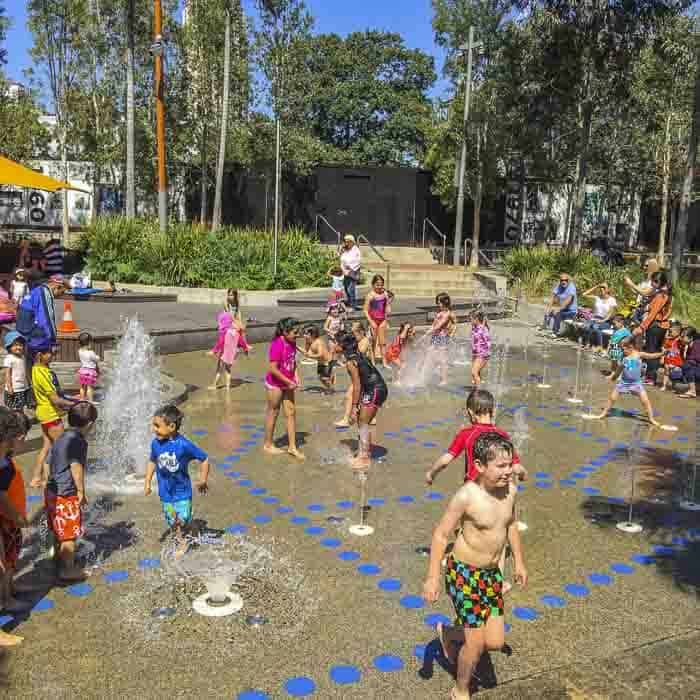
27, 324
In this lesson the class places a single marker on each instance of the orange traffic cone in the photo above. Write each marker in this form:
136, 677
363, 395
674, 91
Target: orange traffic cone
68, 325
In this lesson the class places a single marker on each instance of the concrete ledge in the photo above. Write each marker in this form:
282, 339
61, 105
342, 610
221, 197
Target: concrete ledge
215, 297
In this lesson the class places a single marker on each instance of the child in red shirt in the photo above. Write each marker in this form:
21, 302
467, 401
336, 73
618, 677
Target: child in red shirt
673, 351
481, 407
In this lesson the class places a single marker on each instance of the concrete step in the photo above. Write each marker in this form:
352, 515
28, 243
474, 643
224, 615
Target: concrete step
396, 255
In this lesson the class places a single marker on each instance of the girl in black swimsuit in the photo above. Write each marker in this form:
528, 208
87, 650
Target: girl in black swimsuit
369, 392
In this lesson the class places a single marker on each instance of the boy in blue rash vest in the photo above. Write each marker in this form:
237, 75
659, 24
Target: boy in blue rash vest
171, 454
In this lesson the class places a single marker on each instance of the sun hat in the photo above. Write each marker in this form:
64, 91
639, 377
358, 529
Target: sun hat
349, 237
10, 338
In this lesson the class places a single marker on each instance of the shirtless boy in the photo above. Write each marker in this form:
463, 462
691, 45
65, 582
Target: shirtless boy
318, 350
483, 509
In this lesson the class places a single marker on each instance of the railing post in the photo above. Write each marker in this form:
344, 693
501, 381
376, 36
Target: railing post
425, 221
444, 249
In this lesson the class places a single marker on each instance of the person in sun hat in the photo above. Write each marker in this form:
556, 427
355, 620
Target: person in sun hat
15, 384
350, 264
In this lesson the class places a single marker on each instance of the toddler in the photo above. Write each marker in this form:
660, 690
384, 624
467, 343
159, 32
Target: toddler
18, 286
671, 369
336, 317
89, 367
440, 336
392, 356
481, 345
691, 366
65, 487
318, 350
171, 454
15, 364
336, 275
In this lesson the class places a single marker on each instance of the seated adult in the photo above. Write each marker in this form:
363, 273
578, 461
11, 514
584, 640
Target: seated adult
604, 308
562, 306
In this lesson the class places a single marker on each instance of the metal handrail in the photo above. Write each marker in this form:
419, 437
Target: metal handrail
330, 226
361, 237
439, 232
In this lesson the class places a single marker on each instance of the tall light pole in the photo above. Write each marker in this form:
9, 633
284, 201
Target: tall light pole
463, 158
278, 174
157, 50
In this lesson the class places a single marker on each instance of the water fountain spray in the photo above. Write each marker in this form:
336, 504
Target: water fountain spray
629, 526
689, 501
362, 529
575, 398
545, 356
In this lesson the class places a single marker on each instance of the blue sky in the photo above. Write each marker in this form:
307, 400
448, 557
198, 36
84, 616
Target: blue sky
411, 18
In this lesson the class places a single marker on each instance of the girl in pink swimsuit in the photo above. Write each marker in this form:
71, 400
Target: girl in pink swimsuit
481, 345
377, 309
280, 381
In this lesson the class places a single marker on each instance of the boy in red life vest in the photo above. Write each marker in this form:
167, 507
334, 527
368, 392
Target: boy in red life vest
14, 426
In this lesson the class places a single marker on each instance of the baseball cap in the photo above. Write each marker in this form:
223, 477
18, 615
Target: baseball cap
10, 338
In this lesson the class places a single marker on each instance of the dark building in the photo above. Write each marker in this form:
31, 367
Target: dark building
387, 205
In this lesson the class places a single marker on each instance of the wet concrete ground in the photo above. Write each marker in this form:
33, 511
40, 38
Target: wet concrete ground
605, 615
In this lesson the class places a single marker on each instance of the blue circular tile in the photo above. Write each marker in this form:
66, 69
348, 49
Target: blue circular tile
199, 433
507, 627
576, 589
616, 501
590, 490
242, 450
233, 475
300, 687
43, 604
284, 510
410, 440
376, 501
390, 585
386, 663
435, 618
419, 651
345, 675
271, 500
257, 491
262, 519
390, 434
553, 601
369, 569
406, 499
555, 423
543, 484
663, 551
578, 475
245, 482
588, 470
406, 430
232, 458
250, 443
434, 496
80, 589
430, 445
348, 556
252, 695
567, 482
149, 563
586, 435
643, 559
543, 475
620, 568
314, 530
600, 579
316, 508
331, 542
237, 529
570, 430
681, 541
345, 505
299, 520
412, 602
526, 613
520, 488
247, 426
4, 619
116, 576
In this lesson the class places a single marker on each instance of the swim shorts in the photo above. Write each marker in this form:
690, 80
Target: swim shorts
11, 543
375, 396
64, 517
627, 388
179, 512
16, 401
477, 594
325, 370
440, 341
87, 376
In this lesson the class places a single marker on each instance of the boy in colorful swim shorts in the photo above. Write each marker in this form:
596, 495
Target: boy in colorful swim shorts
65, 488
171, 454
484, 510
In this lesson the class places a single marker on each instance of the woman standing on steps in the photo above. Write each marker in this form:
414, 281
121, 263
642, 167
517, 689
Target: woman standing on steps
350, 264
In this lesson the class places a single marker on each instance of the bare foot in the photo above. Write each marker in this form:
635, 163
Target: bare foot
210, 353
213, 386
272, 450
360, 463
9, 640
373, 421
294, 452
507, 587
687, 395
457, 695
343, 423
448, 649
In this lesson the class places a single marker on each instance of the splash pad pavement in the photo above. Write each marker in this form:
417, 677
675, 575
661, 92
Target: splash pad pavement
329, 615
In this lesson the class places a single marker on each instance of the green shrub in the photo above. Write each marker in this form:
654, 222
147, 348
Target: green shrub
534, 272
189, 255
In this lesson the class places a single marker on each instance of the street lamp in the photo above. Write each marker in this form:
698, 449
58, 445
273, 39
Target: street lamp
459, 223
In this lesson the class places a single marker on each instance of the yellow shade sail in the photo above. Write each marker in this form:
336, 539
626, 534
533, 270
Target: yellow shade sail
17, 175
